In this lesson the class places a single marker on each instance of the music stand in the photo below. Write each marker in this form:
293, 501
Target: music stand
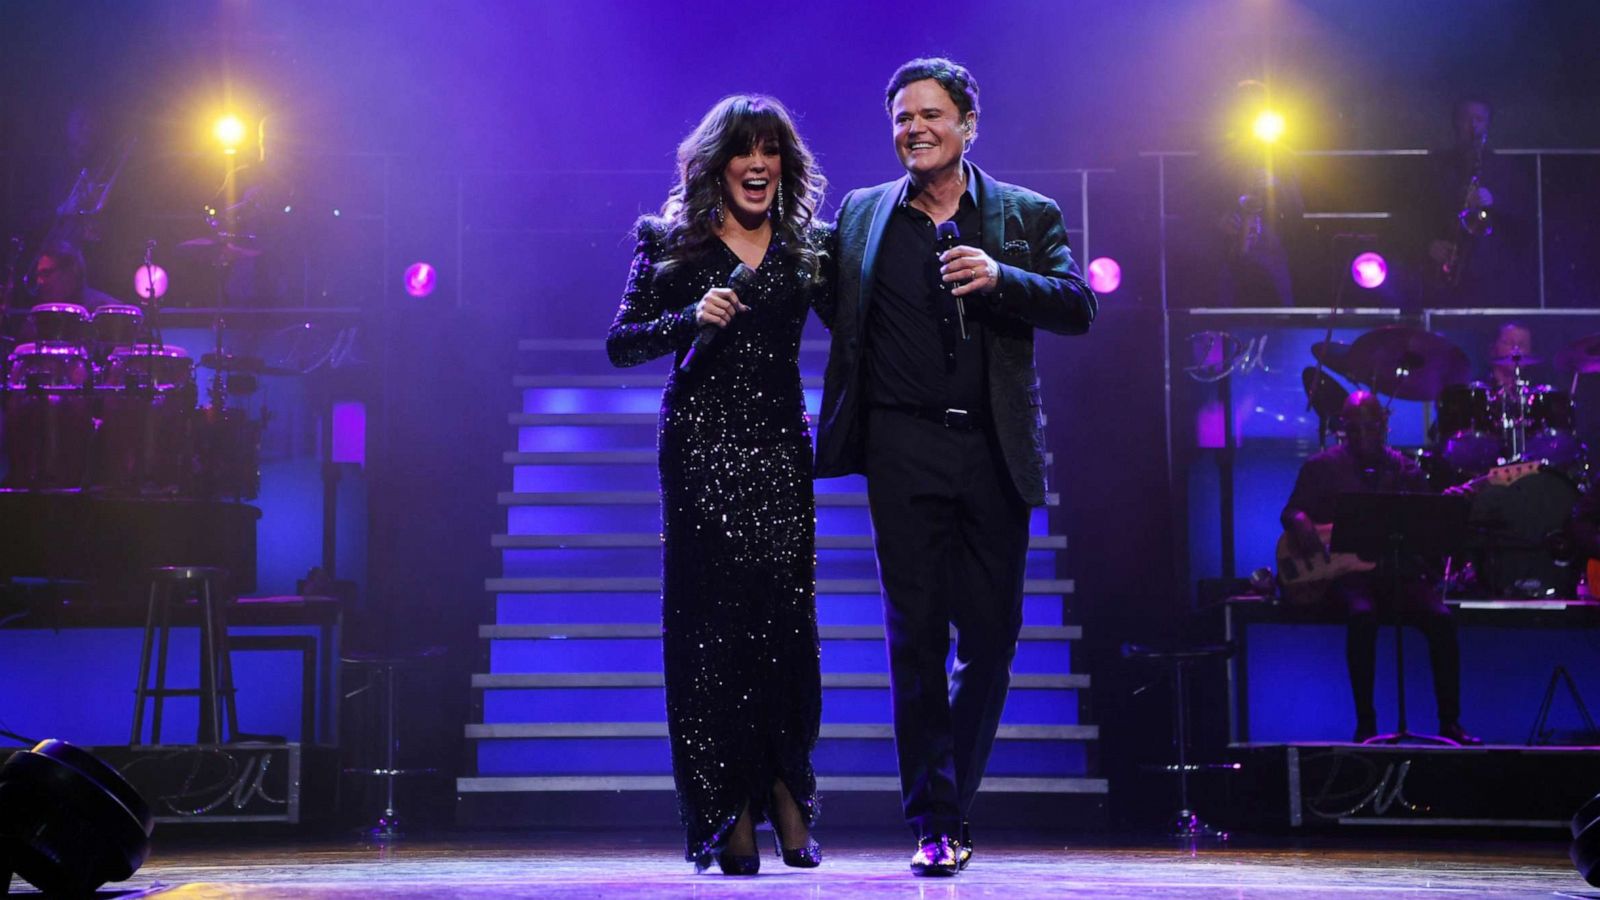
1391, 529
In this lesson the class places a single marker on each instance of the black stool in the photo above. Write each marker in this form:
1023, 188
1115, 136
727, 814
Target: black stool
1185, 823
383, 679
169, 586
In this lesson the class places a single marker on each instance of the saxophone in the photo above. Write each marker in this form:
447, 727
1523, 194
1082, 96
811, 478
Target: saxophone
1472, 217
76, 215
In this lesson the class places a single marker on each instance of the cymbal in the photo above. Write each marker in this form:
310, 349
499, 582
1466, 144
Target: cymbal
1326, 395
250, 365
1334, 355
216, 248
1516, 361
1582, 355
1407, 363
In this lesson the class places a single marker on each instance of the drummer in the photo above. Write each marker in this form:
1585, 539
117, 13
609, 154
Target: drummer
1513, 344
60, 275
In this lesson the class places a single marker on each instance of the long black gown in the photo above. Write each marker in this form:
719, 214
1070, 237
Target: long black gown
738, 605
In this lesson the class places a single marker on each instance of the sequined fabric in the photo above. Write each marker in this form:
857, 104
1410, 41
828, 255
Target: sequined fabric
738, 610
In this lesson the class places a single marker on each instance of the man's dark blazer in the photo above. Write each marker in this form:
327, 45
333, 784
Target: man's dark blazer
1040, 287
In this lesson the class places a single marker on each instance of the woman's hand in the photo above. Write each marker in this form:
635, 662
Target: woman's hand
718, 307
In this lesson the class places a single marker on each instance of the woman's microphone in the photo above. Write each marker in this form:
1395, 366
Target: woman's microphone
738, 281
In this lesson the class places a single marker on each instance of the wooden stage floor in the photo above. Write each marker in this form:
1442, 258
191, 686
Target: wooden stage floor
604, 864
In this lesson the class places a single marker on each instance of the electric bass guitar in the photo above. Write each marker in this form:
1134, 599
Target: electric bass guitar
1304, 580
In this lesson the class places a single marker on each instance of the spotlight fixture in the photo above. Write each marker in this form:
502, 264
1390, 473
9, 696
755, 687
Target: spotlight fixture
150, 282
1268, 127
421, 278
229, 132
1369, 270
1105, 275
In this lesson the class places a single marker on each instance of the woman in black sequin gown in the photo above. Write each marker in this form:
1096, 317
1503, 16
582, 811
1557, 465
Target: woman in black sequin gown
738, 606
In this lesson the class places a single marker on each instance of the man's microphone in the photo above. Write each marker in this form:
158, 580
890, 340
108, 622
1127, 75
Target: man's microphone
738, 281
948, 236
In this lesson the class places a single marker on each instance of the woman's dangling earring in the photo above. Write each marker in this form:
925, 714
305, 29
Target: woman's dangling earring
716, 211
777, 205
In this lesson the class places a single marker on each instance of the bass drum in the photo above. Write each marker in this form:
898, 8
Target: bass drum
1523, 529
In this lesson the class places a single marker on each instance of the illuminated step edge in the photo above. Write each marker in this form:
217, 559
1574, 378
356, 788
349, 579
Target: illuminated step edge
598, 346
864, 680
581, 418
650, 539
579, 730
648, 585
655, 380
840, 783
648, 631
653, 498
600, 458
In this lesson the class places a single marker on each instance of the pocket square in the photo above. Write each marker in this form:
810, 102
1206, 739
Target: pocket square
1014, 247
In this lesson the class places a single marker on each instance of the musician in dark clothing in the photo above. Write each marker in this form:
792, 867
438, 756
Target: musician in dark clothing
1477, 227
1363, 461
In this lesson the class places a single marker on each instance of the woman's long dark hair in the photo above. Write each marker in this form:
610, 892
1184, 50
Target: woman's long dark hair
734, 126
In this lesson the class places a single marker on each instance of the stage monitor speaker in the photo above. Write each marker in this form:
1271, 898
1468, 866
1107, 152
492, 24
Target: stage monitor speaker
68, 822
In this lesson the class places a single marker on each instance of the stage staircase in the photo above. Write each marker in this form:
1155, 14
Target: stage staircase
571, 717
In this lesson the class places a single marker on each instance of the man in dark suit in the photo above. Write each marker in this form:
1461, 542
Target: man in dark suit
932, 393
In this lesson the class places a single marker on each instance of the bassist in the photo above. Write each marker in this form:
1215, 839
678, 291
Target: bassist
1363, 461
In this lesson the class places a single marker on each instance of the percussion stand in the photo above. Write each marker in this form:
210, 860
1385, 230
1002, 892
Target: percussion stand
1514, 411
1388, 527
151, 298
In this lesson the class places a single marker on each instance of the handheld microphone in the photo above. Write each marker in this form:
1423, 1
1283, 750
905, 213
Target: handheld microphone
947, 237
740, 279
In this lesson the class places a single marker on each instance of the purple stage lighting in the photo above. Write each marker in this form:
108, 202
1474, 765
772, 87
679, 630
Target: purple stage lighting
1105, 275
421, 279
150, 282
1369, 270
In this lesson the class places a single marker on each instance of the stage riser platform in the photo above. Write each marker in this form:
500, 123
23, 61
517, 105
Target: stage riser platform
1406, 789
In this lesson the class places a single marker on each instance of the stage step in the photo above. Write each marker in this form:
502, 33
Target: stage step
525, 419
582, 730
582, 479
597, 346
656, 380
653, 498
652, 630
840, 783
498, 681
652, 585
600, 457
644, 539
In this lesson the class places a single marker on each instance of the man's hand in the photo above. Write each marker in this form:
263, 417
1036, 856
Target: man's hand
970, 270
1304, 538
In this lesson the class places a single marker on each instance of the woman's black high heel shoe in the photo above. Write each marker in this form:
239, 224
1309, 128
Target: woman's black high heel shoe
729, 863
807, 857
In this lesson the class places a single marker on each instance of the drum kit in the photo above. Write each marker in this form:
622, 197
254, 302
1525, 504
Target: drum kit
1480, 428
98, 401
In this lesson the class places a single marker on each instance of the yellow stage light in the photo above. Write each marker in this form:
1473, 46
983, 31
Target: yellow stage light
1268, 126
229, 132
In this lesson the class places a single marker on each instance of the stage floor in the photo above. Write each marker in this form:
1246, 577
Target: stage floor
859, 864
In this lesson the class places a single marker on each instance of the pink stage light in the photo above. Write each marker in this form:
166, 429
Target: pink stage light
1105, 275
1369, 270
421, 279
150, 282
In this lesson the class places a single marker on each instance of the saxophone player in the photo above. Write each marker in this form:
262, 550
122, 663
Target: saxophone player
1478, 224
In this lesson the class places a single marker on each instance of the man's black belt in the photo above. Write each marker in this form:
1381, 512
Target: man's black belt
953, 419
